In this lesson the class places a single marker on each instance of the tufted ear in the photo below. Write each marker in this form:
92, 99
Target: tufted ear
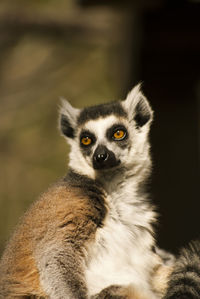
138, 107
68, 118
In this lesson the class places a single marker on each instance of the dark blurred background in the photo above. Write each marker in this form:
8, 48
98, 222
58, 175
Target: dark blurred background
91, 52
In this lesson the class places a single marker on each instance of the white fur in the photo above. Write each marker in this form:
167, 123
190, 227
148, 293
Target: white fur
133, 98
67, 109
122, 253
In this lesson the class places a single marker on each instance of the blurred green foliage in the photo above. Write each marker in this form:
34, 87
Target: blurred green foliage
48, 49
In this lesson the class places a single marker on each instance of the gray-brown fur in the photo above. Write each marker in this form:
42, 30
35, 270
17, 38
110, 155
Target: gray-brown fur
70, 212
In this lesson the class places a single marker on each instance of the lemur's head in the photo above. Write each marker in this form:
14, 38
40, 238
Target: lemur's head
108, 136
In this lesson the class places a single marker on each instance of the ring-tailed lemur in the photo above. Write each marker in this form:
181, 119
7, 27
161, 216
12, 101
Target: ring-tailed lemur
91, 233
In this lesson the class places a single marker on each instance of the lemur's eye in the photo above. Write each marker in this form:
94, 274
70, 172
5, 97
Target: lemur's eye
119, 134
86, 140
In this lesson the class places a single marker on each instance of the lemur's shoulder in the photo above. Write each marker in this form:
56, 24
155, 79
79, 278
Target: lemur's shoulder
71, 209
70, 202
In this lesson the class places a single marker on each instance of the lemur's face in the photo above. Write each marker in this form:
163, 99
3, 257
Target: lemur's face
109, 136
104, 142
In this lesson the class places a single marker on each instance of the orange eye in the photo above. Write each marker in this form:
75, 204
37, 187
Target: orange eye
119, 135
86, 140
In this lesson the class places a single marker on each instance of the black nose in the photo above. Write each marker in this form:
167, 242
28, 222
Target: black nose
103, 158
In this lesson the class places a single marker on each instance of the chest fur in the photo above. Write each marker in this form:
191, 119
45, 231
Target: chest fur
121, 253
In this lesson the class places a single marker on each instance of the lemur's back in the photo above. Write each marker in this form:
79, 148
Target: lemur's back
62, 214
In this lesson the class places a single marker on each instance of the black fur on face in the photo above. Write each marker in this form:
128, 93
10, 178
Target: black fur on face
87, 149
110, 132
103, 110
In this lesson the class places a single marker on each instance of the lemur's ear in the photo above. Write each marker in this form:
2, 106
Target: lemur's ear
68, 117
138, 107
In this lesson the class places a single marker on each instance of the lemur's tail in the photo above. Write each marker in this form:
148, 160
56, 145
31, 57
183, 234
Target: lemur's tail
185, 279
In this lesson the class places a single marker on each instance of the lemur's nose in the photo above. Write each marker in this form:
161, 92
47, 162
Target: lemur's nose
100, 155
103, 158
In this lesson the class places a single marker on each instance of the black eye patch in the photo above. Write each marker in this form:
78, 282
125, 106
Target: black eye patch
110, 134
87, 135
